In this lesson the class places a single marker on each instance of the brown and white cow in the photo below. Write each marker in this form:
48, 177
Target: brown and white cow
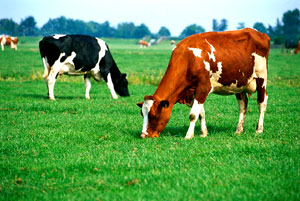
143, 43
225, 63
9, 41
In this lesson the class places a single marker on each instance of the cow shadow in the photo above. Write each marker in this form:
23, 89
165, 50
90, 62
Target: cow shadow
180, 131
45, 97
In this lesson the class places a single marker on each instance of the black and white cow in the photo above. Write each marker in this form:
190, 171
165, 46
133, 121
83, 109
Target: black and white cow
81, 55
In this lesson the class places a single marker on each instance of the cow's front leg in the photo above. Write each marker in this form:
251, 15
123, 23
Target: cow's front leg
111, 86
196, 111
87, 84
243, 102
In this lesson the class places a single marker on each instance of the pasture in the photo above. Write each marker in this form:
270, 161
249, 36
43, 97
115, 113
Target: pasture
77, 149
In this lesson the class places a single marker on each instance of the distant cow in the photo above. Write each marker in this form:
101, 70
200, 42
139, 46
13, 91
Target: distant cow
225, 63
9, 41
143, 43
81, 55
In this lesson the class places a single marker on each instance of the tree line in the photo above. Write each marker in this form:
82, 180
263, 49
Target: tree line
286, 29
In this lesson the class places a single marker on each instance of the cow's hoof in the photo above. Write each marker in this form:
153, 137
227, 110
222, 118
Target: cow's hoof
189, 137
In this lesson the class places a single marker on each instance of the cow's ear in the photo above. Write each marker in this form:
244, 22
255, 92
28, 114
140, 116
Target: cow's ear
148, 97
123, 76
164, 104
140, 104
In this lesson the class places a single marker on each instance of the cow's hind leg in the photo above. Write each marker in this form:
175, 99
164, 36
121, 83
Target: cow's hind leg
262, 99
87, 84
54, 70
243, 103
46, 73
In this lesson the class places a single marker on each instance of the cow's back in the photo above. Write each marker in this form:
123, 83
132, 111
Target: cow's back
228, 56
85, 47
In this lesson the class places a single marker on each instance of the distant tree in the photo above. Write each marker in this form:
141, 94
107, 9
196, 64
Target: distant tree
241, 25
102, 30
271, 32
62, 25
9, 27
141, 31
260, 27
55, 26
191, 29
219, 27
28, 27
125, 30
163, 31
291, 25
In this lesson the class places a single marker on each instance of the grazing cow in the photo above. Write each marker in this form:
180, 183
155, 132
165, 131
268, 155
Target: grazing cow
81, 55
292, 44
143, 43
10, 41
225, 63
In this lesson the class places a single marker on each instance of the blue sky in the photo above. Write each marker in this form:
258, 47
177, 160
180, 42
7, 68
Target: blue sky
173, 14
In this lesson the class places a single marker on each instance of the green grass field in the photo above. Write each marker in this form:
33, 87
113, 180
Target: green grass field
74, 149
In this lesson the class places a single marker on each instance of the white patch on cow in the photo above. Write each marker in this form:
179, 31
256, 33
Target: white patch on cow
217, 75
174, 48
260, 68
207, 66
111, 86
196, 51
57, 36
3, 41
95, 71
211, 55
145, 111
68, 66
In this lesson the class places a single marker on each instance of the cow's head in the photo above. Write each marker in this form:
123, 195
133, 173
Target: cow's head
156, 114
121, 85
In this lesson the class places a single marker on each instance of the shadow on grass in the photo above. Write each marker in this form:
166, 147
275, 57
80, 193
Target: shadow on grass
45, 97
180, 131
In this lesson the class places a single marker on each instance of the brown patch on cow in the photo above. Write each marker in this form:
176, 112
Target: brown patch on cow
192, 117
148, 97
